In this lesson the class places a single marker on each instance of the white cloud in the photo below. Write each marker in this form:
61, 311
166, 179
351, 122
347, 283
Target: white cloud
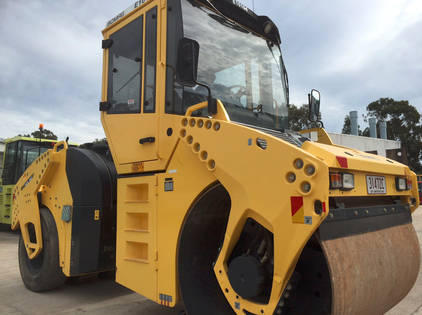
354, 52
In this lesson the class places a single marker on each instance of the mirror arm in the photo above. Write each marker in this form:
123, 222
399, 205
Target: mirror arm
212, 103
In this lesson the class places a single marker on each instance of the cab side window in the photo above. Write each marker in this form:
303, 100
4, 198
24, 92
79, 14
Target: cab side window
125, 69
150, 60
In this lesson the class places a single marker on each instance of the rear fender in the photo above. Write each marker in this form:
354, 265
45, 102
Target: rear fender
26, 212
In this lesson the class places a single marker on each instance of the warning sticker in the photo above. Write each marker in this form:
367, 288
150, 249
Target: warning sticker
308, 220
138, 167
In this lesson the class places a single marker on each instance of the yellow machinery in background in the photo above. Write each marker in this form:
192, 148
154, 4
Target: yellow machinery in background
19, 153
204, 194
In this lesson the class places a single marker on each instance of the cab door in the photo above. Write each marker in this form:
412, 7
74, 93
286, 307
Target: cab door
129, 116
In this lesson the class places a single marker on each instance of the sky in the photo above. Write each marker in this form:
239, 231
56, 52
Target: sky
353, 51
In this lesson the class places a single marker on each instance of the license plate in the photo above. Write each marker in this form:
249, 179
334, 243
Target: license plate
376, 184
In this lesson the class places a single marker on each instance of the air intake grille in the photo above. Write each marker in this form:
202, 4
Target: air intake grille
289, 136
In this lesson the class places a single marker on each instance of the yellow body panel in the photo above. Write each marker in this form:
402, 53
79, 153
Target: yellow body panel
6, 191
48, 176
6, 202
362, 164
244, 178
322, 135
130, 137
193, 170
136, 244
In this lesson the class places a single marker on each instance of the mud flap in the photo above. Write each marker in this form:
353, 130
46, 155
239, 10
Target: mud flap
376, 261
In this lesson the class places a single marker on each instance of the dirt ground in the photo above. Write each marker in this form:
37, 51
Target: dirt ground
99, 296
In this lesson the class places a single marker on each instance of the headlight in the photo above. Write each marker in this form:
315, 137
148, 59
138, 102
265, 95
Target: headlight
348, 181
310, 170
298, 163
401, 183
306, 187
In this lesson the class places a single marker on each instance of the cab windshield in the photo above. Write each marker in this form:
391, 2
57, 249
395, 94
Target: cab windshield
19, 155
242, 69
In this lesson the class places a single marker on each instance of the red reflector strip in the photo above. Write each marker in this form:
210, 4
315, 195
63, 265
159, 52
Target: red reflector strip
323, 207
342, 161
165, 299
298, 210
297, 203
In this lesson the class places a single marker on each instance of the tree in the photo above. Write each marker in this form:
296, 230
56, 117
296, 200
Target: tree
98, 141
403, 124
299, 118
89, 145
44, 134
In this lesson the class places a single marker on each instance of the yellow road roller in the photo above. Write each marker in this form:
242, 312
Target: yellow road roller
203, 194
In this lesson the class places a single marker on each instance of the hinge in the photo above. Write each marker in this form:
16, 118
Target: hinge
107, 43
104, 106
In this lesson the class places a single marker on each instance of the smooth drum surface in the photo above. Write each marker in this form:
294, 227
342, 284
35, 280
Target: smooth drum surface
372, 272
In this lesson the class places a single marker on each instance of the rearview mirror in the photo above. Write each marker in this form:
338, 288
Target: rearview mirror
314, 101
187, 69
187, 62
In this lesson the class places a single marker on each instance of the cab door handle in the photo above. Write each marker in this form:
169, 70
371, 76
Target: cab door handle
145, 140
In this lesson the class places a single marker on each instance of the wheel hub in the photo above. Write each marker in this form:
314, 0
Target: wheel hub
247, 276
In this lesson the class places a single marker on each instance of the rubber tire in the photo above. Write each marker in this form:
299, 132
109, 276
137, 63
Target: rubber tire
44, 272
202, 235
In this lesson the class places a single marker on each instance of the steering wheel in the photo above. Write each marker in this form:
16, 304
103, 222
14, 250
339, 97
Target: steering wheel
242, 90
